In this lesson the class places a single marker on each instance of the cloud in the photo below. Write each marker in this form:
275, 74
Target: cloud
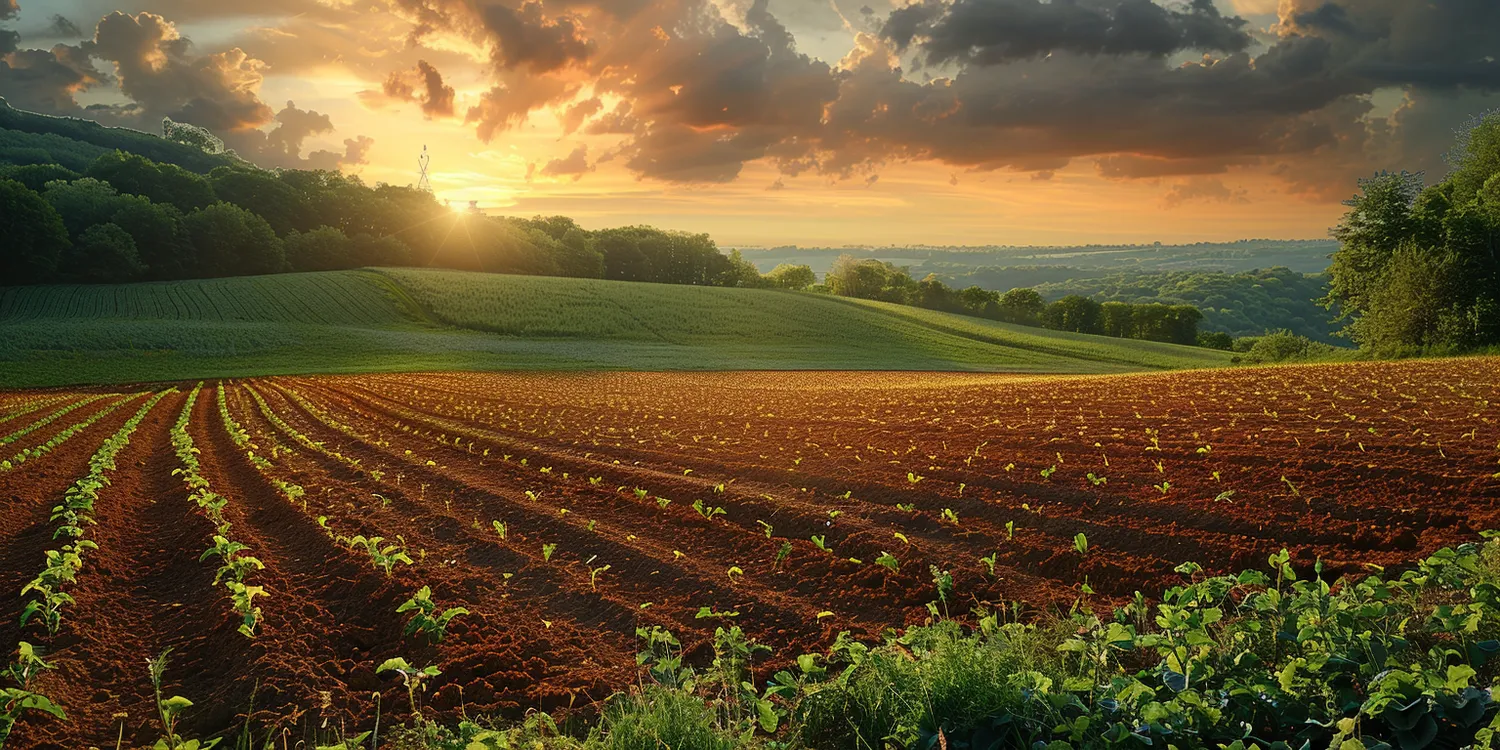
1203, 189
59, 25
8, 9
574, 116
422, 84
994, 32
155, 66
575, 165
45, 80
526, 38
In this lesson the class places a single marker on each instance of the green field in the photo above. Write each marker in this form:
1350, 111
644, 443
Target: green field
401, 320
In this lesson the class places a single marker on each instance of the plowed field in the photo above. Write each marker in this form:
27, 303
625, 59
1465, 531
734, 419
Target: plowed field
565, 511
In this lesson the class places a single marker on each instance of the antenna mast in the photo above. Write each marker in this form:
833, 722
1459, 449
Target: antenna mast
423, 183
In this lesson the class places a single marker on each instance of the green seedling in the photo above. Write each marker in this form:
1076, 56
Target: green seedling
888, 561
169, 711
425, 618
501, 529
382, 556
547, 551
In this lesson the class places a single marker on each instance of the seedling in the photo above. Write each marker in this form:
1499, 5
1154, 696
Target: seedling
782, 554
707, 612
906, 507
913, 478
383, 556
707, 511
943, 580
662, 502
1081, 543
594, 573
1097, 480
818, 541
16, 701
500, 528
735, 570
1049, 471
901, 537
412, 677
950, 516
1164, 487
888, 561
765, 527
547, 551
169, 710
425, 617
1010, 529
989, 562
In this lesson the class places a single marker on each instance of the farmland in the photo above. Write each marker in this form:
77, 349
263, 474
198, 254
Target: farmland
409, 320
278, 533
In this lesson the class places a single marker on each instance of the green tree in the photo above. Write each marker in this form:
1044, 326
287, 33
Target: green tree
162, 183
264, 194
104, 253
230, 241
36, 176
1074, 313
322, 249
789, 276
34, 235
1022, 306
161, 240
1420, 268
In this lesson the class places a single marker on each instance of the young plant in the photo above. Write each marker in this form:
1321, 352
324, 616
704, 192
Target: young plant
169, 711
888, 561
413, 678
500, 528
707, 511
782, 555
17, 701
1081, 543
547, 551
382, 556
989, 562
425, 618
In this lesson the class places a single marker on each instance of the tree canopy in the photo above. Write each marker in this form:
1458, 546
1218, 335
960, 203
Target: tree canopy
1418, 268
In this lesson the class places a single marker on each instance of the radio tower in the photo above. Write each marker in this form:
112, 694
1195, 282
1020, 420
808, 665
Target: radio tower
423, 183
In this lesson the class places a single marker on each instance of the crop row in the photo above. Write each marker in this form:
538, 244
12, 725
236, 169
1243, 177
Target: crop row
52, 444
236, 564
47, 595
49, 419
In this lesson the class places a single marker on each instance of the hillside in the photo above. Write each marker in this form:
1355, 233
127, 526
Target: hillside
396, 320
31, 138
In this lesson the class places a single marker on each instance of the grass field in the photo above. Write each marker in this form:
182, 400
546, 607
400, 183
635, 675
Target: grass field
406, 320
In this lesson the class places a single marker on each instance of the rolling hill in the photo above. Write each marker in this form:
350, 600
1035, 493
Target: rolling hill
403, 320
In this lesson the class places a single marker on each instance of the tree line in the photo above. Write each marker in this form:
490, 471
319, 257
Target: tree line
1418, 266
868, 278
128, 218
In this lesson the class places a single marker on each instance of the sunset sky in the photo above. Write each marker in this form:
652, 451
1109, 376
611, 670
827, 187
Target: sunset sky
807, 122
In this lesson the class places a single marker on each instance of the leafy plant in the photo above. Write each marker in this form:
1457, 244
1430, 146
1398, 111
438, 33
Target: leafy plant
169, 710
547, 550
425, 617
888, 561
382, 556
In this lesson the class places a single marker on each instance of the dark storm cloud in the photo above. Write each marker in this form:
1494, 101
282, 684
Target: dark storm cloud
993, 32
45, 80
526, 38
424, 85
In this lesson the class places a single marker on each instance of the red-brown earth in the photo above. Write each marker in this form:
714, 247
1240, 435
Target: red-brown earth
1347, 464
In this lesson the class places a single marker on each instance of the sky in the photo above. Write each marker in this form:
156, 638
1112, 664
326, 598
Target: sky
808, 122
